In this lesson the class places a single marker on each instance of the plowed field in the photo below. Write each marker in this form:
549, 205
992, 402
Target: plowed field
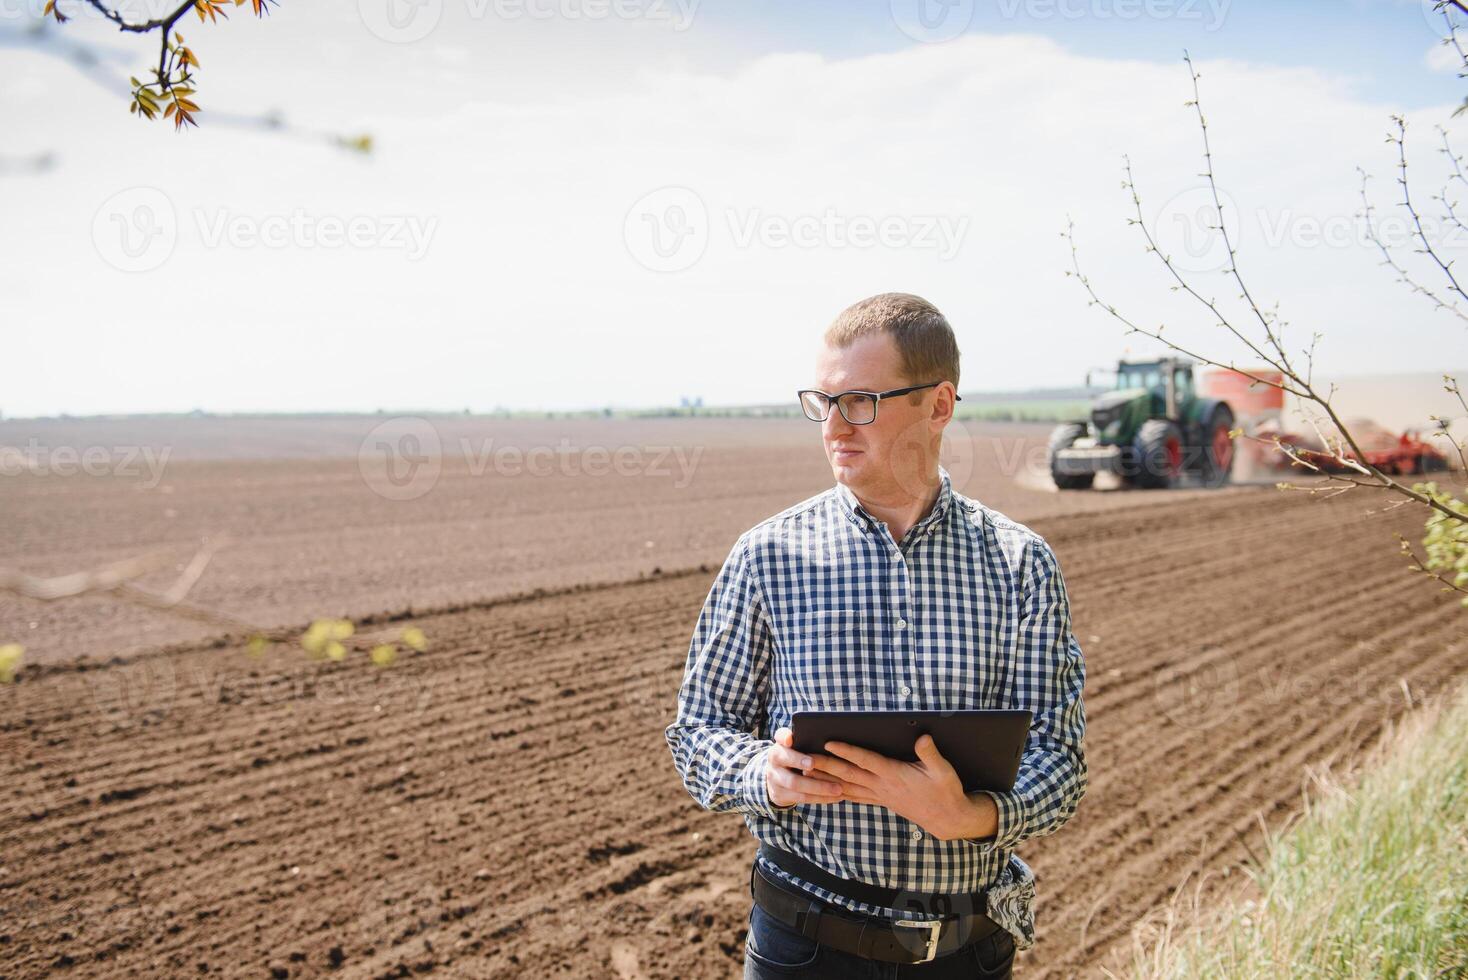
505, 805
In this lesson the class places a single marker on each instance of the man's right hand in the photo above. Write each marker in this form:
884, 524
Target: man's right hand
790, 778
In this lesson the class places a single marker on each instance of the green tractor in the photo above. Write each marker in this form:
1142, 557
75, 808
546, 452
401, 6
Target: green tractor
1151, 429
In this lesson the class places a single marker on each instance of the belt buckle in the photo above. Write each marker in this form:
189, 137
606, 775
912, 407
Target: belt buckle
934, 926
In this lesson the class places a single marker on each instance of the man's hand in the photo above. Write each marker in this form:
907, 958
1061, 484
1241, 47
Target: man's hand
791, 776
927, 792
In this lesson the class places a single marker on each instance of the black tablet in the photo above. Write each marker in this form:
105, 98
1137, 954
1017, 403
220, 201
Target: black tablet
984, 745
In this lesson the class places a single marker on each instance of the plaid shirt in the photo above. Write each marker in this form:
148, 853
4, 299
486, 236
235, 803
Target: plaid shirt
817, 607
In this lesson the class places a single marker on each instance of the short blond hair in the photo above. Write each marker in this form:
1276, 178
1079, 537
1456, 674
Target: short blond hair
924, 340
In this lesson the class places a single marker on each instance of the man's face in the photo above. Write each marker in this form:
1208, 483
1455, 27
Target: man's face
891, 455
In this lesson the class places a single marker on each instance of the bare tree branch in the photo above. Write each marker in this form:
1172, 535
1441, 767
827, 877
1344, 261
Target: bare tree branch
1450, 385
1388, 260
143, 27
1293, 384
1400, 139
1233, 262
1446, 7
1347, 452
1420, 567
176, 63
102, 65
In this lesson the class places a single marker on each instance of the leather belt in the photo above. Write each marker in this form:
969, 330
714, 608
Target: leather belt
890, 940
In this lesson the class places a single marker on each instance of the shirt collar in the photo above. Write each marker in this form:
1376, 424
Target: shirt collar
857, 514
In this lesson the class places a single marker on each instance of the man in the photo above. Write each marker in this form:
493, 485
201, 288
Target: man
888, 591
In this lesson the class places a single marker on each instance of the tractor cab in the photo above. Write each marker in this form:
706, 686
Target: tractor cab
1138, 375
1168, 382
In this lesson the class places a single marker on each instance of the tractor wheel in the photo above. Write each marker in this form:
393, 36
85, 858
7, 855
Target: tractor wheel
1062, 438
1217, 451
1157, 461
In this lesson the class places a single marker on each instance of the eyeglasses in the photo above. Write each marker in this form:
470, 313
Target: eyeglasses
856, 407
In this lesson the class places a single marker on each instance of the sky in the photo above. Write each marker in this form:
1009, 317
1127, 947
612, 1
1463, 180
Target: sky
586, 203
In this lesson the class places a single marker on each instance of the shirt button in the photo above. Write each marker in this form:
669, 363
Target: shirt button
902, 624
904, 690
917, 835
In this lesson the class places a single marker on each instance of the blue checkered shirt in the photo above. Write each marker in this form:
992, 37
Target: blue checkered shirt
818, 608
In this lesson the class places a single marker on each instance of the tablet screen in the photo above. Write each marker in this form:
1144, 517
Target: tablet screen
983, 745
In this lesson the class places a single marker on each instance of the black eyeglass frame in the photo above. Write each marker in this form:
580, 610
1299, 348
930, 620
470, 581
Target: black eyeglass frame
876, 397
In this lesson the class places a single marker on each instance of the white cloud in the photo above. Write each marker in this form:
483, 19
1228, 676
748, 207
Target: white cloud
529, 294
1444, 57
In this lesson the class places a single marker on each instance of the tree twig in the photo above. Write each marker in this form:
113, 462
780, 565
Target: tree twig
1347, 454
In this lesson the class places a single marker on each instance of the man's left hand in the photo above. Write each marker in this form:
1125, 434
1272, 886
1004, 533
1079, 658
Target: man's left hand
927, 792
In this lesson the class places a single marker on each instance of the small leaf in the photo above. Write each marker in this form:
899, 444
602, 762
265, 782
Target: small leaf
315, 637
413, 637
384, 654
11, 655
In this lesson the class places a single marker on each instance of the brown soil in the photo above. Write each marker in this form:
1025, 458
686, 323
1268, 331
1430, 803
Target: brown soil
505, 805
312, 536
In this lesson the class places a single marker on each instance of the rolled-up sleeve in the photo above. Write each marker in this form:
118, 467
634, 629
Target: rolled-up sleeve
1049, 674
716, 739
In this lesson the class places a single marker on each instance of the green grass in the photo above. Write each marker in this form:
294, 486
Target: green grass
1026, 410
1370, 881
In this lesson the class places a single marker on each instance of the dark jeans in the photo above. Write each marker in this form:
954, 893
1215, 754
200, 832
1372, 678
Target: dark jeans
773, 949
